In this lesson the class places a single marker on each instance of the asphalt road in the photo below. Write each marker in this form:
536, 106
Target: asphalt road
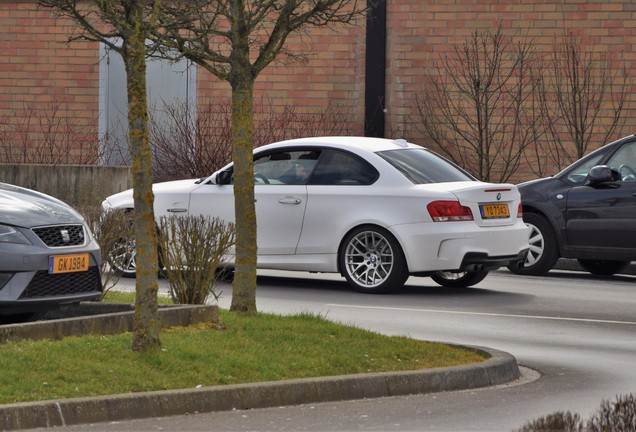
573, 334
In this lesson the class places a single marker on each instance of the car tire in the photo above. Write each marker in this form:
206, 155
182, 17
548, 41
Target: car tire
224, 274
122, 258
372, 261
543, 253
603, 267
458, 279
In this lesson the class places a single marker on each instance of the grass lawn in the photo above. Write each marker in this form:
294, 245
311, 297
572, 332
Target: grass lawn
244, 349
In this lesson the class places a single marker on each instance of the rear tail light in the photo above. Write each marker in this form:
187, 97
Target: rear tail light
520, 211
449, 211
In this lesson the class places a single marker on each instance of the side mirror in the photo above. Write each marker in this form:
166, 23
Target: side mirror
223, 177
602, 174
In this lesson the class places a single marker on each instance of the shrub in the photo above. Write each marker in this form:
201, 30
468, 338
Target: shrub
191, 250
617, 416
109, 228
559, 421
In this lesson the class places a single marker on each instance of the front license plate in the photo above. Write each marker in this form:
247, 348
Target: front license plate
494, 211
68, 263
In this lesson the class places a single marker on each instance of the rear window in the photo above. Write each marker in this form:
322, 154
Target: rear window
423, 166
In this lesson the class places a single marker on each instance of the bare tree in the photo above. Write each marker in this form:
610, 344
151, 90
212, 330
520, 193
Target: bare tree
475, 106
48, 134
235, 40
189, 146
583, 97
130, 22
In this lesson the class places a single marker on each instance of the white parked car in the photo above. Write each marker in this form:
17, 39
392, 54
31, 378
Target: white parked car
375, 210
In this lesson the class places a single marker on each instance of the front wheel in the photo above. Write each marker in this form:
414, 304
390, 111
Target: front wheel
372, 260
458, 279
543, 252
122, 257
603, 267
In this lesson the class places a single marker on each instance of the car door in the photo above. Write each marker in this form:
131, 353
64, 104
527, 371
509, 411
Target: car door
339, 197
604, 215
279, 201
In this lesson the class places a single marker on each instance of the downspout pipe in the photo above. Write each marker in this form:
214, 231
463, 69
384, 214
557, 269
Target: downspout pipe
375, 69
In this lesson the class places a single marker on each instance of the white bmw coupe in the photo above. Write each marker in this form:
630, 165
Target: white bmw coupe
374, 210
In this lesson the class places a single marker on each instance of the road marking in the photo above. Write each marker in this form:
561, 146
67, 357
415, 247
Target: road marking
537, 317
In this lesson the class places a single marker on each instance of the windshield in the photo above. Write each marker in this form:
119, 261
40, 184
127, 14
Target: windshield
422, 166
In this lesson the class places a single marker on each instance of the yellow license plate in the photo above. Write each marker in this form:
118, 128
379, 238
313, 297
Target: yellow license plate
68, 263
494, 211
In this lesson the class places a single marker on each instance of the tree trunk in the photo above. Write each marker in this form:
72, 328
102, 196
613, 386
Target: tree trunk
244, 285
146, 321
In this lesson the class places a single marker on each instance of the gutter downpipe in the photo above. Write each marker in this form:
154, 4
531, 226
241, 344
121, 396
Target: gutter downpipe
375, 69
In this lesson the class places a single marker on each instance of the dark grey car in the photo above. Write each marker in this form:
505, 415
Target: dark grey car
48, 256
586, 212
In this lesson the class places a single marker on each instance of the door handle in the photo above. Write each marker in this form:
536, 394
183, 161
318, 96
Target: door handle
177, 210
290, 200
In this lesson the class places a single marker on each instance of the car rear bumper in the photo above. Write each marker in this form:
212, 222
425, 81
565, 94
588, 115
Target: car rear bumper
456, 246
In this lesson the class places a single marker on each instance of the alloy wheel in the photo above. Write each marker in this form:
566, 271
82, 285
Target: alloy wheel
122, 258
369, 259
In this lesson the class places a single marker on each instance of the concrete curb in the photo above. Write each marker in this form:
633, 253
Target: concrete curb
500, 368
103, 319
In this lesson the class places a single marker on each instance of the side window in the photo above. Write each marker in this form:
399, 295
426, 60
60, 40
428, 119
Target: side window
341, 168
624, 162
285, 167
578, 175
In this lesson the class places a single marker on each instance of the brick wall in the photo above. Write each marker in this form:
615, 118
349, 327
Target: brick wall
424, 31
41, 76
38, 67
330, 76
